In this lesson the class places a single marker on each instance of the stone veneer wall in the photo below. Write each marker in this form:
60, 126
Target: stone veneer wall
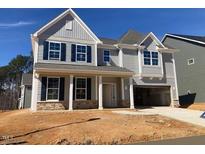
87, 104
52, 106
124, 103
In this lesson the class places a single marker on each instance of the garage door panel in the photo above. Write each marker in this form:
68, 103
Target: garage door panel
152, 96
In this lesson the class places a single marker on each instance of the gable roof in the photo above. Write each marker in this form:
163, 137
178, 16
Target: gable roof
131, 37
154, 38
190, 38
55, 20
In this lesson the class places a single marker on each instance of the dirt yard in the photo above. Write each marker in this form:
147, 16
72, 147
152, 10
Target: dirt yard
197, 106
88, 127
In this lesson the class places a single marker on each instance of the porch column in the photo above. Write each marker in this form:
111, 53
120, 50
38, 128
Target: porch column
171, 95
96, 88
131, 95
35, 85
122, 89
71, 93
100, 93
120, 57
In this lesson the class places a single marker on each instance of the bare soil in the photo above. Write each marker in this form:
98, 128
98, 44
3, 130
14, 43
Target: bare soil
88, 127
197, 106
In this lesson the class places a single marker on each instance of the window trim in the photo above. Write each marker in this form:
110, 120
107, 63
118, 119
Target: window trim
55, 59
76, 79
159, 59
104, 56
76, 51
53, 100
192, 62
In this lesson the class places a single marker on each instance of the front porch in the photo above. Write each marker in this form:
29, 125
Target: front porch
86, 92
69, 91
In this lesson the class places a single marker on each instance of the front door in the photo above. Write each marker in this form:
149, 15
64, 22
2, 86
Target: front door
109, 95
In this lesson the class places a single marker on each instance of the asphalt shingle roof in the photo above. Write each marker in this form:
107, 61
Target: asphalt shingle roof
108, 41
132, 37
81, 67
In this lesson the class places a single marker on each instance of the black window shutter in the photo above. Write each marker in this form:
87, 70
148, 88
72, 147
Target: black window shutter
62, 87
73, 52
73, 88
45, 50
63, 52
43, 88
89, 54
88, 88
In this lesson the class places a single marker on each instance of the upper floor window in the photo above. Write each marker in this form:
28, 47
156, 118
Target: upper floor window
54, 51
151, 58
52, 88
154, 58
106, 56
190, 61
81, 53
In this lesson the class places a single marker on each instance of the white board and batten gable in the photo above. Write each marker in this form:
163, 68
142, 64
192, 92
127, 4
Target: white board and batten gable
151, 41
67, 25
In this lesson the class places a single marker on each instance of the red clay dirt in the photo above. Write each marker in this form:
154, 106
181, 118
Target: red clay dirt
88, 127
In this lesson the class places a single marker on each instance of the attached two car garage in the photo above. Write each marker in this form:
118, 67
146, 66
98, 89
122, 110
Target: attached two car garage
152, 96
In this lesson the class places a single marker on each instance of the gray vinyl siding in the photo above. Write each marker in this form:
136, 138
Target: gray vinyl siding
168, 65
151, 70
127, 89
114, 57
68, 54
150, 45
59, 30
189, 77
27, 97
130, 60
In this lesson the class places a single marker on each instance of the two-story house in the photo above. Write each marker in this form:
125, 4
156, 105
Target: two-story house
190, 66
74, 69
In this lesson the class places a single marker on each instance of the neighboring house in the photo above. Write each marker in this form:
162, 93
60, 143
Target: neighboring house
190, 66
26, 88
74, 69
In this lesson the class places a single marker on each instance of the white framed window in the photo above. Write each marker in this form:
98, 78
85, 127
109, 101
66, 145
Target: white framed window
190, 61
81, 88
106, 56
54, 51
53, 88
69, 25
81, 53
147, 58
151, 58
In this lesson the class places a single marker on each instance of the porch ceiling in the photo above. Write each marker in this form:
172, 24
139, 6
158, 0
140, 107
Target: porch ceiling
82, 69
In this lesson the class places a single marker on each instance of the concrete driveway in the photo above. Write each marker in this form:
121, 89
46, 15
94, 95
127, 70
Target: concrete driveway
185, 115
